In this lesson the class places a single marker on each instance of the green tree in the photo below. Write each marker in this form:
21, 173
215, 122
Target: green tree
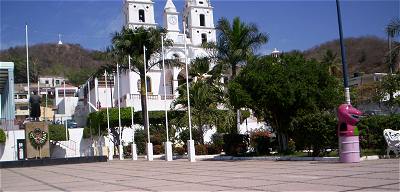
389, 92
131, 42
236, 45
205, 95
316, 131
393, 31
279, 89
331, 60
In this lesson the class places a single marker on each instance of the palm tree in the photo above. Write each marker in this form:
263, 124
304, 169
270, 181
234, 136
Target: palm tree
392, 31
332, 63
131, 42
205, 94
237, 41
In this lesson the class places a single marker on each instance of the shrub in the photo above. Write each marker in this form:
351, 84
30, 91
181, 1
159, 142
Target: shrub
157, 149
316, 131
86, 133
179, 150
235, 144
201, 150
57, 132
213, 149
217, 140
371, 131
184, 136
2, 136
140, 141
260, 141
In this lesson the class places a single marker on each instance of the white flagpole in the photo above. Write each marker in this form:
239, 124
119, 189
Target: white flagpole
133, 147
121, 157
110, 154
165, 89
168, 145
27, 64
191, 149
129, 61
149, 144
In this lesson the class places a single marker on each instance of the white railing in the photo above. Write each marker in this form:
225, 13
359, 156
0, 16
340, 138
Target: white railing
154, 97
70, 145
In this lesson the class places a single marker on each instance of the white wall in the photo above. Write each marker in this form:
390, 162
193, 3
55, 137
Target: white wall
8, 151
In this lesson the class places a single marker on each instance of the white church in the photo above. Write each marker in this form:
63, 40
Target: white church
197, 20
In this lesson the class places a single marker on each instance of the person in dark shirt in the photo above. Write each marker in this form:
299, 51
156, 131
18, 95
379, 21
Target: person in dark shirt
35, 101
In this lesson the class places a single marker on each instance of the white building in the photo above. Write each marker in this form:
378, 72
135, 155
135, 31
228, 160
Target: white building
198, 23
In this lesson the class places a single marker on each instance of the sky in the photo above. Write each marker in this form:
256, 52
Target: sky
290, 24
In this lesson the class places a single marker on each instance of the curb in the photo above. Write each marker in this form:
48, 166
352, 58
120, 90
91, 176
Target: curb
263, 158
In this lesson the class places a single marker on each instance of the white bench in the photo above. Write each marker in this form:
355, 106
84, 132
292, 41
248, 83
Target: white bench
392, 138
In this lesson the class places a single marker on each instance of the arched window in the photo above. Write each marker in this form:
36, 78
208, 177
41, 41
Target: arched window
202, 20
141, 16
203, 38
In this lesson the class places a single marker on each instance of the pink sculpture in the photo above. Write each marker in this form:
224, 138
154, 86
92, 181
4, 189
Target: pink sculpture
349, 147
348, 117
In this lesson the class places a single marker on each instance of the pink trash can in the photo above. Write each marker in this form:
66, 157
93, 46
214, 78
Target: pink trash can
349, 144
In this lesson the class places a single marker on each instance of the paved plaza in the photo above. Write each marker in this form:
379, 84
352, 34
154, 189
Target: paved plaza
181, 175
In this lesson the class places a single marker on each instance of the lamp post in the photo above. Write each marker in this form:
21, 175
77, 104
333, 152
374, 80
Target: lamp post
168, 144
343, 53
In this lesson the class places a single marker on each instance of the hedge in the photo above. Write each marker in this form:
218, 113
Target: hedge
316, 131
2, 136
371, 131
236, 144
57, 132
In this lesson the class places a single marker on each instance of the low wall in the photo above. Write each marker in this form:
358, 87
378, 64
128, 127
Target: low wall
8, 150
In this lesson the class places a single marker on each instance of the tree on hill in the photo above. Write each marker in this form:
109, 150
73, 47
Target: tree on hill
69, 60
364, 54
393, 31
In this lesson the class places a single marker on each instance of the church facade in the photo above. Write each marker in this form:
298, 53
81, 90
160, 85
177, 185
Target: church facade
187, 29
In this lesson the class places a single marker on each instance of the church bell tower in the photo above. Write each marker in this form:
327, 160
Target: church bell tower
199, 21
139, 13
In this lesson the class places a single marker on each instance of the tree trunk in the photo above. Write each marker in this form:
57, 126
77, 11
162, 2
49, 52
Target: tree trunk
143, 100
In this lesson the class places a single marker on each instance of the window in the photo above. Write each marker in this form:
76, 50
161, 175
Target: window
138, 85
203, 38
141, 16
202, 20
148, 84
200, 2
57, 82
46, 82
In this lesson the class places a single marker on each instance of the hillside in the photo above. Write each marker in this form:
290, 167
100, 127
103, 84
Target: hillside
363, 54
69, 60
